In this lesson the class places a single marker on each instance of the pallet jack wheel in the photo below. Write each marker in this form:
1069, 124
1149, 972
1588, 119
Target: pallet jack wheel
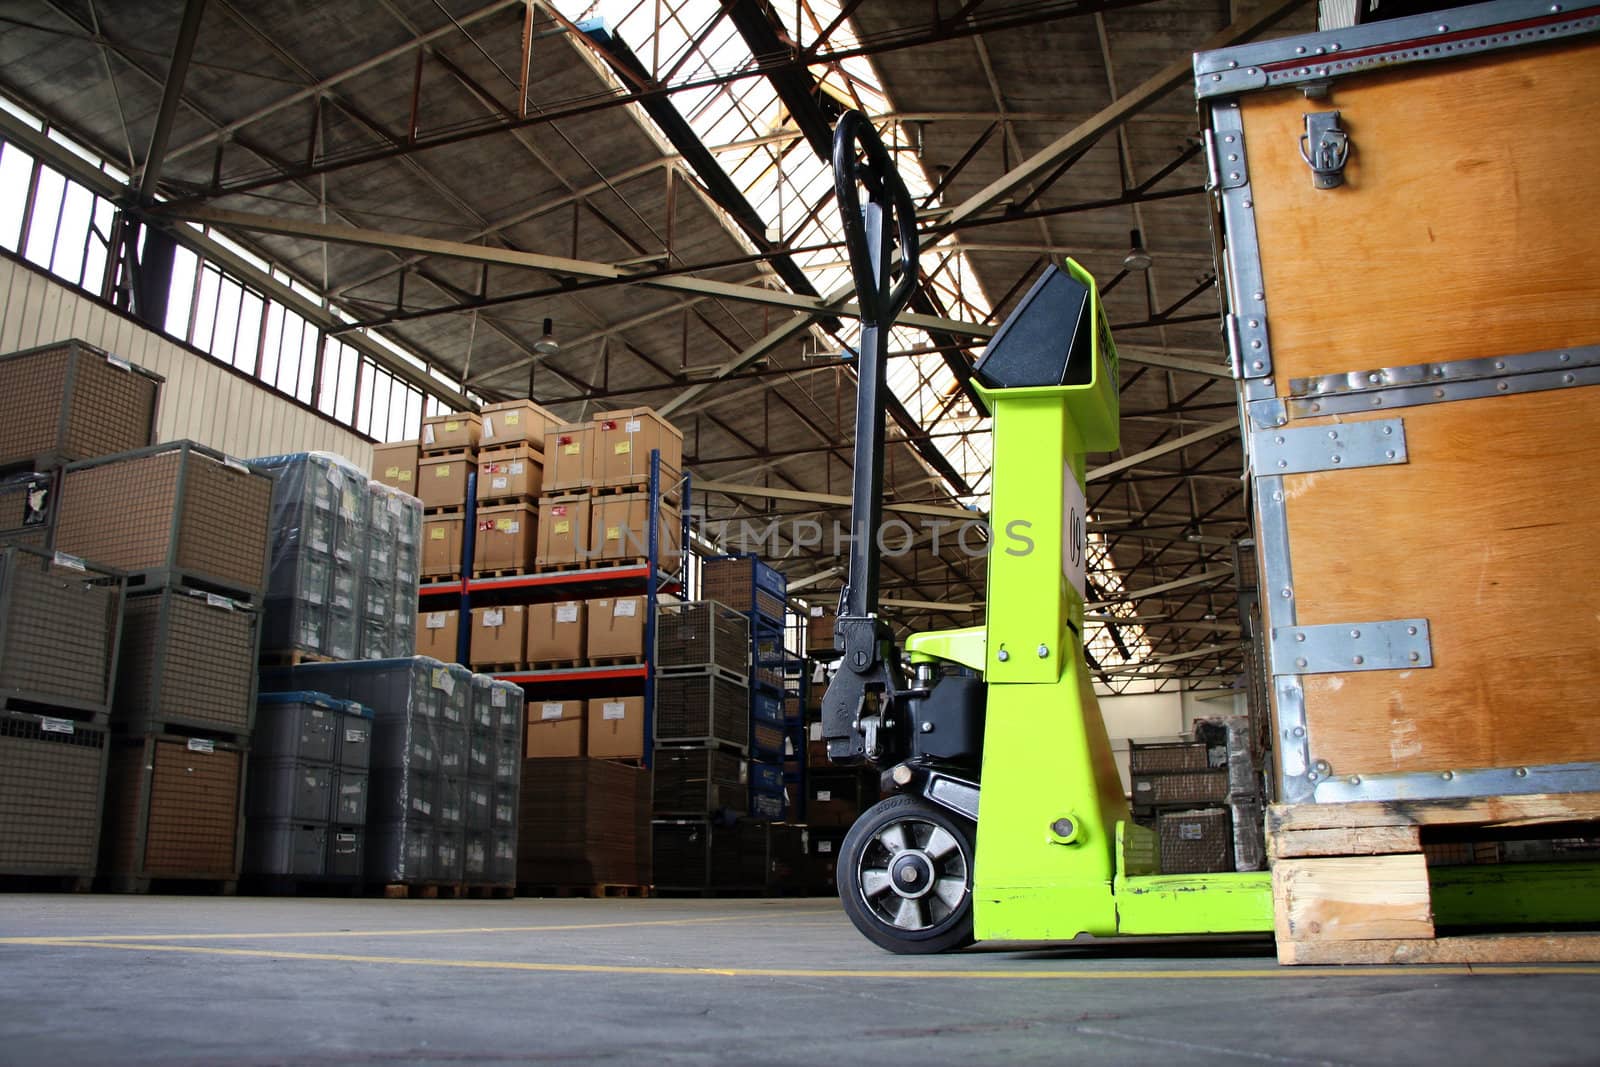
905, 876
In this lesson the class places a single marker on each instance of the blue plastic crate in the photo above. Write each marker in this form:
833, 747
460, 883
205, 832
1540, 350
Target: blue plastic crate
766, 778
768, 707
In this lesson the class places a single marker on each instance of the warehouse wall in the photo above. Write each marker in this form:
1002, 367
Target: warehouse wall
202, 400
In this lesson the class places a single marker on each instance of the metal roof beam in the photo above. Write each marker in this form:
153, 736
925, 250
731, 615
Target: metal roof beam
559, 266
1178, 72
1166, 447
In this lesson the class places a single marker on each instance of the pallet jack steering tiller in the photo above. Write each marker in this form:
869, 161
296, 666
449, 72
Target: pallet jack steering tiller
1005, 710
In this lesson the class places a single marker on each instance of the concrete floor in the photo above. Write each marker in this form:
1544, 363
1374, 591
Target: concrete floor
173, 980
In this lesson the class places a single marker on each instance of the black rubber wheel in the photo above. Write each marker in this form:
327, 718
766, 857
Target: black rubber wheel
905, 876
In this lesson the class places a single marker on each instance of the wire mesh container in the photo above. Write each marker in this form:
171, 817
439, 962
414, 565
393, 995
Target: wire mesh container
52, 779
702, 707
172, 808
69, 400
176, 512
1155, 757
1180, 788
1195, 842
60, 621
188, 659
702, 633
699, 781
745, 584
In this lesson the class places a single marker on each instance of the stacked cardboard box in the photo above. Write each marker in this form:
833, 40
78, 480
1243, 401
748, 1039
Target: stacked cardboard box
447, 455
584, 822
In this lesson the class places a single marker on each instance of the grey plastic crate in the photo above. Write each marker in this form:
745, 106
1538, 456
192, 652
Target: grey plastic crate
399, 852
481, 756
449, 850
346, 852
478, 798
349, 797
299, 725
503, 857
344, 636
285, 848
457, 696
452, 750
289, 789
450, 803
510, 709
396, 795
476, 846
503, 811
507, 760
354, 750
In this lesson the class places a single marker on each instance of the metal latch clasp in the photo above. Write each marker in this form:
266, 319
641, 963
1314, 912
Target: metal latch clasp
1325, 148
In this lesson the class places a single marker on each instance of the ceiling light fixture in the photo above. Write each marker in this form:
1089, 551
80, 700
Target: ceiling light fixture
547, 345
1138, 257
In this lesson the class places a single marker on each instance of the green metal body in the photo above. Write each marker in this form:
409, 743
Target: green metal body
1046, 754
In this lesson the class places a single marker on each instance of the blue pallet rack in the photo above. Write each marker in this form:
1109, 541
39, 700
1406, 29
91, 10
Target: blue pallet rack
629, 579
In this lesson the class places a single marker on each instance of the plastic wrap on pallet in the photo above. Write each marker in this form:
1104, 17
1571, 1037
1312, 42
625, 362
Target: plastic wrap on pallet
59, 625
1228, 737
400, 851
475, 856
27, 508
349, 797
314, 523
1249, 835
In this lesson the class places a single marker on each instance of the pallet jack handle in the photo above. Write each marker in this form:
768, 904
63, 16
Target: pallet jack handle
873, 232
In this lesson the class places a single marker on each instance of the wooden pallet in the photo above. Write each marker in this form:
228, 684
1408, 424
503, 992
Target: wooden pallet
424, 891
499, 501
557, 568
590, 891
446, 453
500, 668
613, 661
435, 579
486, 453
292, 658
444, 509
512, 572
46, 883
1351, 882
491, 892
127, 883
618, 561
668, 496
556, 664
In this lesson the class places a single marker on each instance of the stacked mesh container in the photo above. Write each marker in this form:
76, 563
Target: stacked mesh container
306, 810
189, 525
445, 764
59, 641
343, 574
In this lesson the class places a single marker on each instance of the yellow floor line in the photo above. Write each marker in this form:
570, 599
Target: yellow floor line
1019, 974
260, 935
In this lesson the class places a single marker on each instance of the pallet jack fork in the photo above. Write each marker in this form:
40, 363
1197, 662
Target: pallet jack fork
1005, 712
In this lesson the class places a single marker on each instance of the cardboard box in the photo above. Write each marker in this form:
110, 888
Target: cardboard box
556, 632
556, 728
623, 442
441, 545
396, 465
509, 474
616, 728
616, 628
819, 629
445, 432
437, 634
516, 422
619, 529
569, 457
504, 539
442, 481
499, 635
563, 531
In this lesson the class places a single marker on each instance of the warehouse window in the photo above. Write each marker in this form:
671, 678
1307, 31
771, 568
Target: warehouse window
62, 227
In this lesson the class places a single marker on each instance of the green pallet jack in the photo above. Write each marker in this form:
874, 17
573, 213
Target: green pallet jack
1006, 710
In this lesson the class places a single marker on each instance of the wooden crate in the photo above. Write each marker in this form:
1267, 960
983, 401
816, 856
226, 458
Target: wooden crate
1418, 350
